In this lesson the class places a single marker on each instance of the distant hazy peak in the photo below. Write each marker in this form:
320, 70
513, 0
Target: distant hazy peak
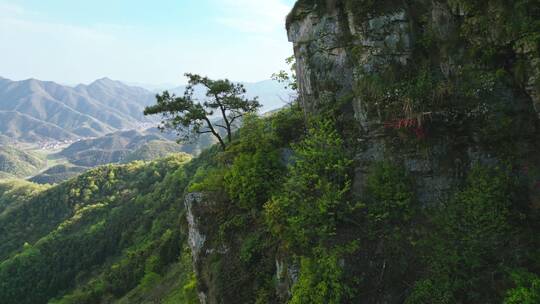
29, 82
106, 82
84, 111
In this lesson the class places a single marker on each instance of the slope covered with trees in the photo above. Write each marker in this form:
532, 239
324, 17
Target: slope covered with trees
58, 174
15, 192
112, 231
19, 163
280, 223
125, 146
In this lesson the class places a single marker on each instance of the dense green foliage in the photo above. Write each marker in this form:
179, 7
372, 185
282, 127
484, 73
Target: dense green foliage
306, 212
340, 246
19, 163
106, 233
152, 150
321, 281
242, 180
14, 192
57, 174
480, 235
527, 290
283, 188
312, 201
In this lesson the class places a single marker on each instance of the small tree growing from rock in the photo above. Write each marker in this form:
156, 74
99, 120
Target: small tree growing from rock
191, 117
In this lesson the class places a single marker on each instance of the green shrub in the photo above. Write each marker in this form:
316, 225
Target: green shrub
208, 180
252, 177
527, 290
391, 198
313, 199
149, 280
320, 281
470, 245
430, 291
288, 125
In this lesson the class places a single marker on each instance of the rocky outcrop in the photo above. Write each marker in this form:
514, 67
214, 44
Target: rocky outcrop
210, 254
286, 276
340, 46
202, 237
215, 259
322, 60
196, 238
533, 79
336, 47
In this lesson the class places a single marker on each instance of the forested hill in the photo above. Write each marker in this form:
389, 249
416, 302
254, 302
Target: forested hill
272, 219
114, 233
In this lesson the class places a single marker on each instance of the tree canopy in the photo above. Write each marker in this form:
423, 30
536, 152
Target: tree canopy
224, 103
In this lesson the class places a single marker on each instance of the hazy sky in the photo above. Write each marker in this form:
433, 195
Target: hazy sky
144, 41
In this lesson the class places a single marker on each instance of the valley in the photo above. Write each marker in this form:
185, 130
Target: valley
55, 132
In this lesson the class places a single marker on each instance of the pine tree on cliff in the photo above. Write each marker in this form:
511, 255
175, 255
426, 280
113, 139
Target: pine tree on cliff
190, 117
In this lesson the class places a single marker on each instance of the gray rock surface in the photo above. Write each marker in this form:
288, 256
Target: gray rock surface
335, 48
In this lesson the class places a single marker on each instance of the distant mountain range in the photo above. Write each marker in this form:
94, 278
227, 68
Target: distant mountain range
94, 124
125, 146
33, 110
39, 111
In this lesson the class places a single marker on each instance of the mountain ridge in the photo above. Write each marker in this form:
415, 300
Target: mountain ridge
85, 110
93, 110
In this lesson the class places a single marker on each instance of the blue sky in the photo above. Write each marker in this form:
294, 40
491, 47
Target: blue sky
142, 41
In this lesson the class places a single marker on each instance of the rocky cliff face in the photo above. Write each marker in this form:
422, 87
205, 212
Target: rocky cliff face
341, 45
216, 257
434, 99
196, 239
213, 260
335, 45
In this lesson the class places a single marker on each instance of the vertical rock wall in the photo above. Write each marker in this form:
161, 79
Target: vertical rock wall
335, 47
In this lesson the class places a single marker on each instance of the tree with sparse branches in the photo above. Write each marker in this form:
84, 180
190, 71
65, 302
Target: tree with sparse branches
288, 79
224, 103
